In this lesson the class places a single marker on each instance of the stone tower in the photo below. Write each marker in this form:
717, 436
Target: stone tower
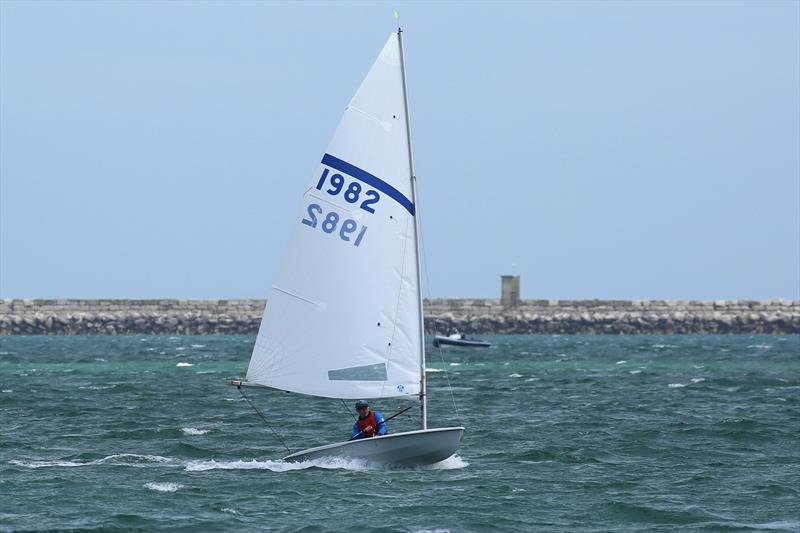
509, 291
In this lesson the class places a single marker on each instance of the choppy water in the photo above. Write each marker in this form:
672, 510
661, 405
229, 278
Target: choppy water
572, 433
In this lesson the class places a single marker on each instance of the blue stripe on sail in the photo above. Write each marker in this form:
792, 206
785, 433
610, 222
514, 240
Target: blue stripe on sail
373, 181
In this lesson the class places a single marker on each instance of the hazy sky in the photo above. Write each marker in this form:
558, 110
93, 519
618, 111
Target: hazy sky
600, 150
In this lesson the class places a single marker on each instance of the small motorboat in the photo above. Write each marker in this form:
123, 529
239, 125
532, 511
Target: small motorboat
458, 339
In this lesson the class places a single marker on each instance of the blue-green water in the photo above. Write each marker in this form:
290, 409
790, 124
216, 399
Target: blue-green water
571, 433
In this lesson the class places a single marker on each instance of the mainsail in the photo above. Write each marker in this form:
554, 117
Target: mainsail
343, 316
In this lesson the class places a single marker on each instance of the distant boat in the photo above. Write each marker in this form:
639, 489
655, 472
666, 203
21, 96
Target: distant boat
344, 318
458, 339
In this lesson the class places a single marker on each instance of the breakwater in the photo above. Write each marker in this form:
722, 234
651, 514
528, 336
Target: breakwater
220, 317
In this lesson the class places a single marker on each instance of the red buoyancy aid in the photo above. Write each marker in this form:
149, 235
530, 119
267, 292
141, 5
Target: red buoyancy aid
367, 421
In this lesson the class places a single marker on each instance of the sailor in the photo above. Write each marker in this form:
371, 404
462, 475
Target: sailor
369, 423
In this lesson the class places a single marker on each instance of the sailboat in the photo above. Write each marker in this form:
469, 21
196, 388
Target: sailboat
344, 316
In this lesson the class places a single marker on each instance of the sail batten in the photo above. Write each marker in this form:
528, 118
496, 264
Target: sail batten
342, 318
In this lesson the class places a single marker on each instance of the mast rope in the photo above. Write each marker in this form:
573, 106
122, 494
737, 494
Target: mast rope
348, 410
435, 332
397, 310
264, 418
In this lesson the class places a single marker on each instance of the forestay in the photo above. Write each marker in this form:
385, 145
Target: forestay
342, 318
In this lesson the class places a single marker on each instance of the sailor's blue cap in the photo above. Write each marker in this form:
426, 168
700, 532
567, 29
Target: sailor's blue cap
361, 403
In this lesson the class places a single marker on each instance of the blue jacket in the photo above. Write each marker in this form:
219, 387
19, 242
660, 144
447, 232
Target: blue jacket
381, 430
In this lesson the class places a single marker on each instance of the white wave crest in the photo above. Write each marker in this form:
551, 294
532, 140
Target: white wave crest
676, 385
130, 458
118, 459
698, 380
621, 362
136, 460
781, 525
515, 375
454, 462
162, 487
194, 431
635, 372
45, 464
184, 364
328, 463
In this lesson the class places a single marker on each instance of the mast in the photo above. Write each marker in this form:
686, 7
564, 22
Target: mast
422, 388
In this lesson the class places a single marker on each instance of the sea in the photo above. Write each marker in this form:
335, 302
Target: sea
563, 433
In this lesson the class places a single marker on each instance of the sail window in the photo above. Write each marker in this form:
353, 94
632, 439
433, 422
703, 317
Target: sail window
375, 372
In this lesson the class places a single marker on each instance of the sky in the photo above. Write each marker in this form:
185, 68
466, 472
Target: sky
627, 150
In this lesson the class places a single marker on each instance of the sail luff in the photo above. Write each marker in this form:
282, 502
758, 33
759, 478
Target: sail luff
422, 382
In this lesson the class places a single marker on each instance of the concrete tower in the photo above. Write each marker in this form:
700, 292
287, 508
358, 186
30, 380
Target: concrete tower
509, 291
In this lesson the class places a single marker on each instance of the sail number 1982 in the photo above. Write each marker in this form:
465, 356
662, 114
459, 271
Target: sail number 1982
348, 230
352, 193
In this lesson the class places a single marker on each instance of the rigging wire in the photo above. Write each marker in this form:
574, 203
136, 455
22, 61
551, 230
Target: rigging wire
397, 308
348, 410
435, 332
263, 418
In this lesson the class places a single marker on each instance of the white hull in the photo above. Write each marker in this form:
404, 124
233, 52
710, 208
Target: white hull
411, 448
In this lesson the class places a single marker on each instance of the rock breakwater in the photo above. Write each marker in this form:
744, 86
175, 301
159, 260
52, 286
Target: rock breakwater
616, 316
220, 317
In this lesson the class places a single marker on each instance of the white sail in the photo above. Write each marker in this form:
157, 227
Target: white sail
343, 316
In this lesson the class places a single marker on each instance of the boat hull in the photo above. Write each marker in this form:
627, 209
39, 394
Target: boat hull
448, 341
411, 448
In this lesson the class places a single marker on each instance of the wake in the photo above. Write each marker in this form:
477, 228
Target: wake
117, 459
454, 462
